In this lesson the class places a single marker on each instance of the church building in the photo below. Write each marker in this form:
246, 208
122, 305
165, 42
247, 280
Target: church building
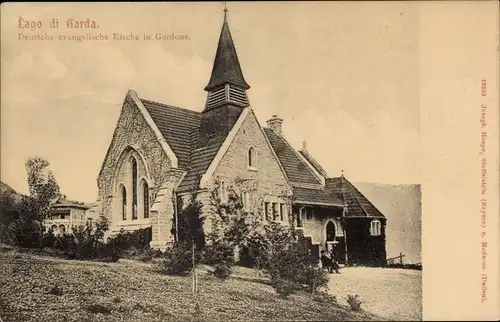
160, 153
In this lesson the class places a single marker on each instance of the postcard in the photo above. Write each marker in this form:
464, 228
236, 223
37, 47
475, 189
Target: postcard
260, 161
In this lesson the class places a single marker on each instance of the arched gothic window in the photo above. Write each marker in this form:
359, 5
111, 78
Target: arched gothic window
252, 158
134, 188
124, 203
145, 198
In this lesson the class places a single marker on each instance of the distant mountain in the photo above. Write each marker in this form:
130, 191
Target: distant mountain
401, 204
5, 190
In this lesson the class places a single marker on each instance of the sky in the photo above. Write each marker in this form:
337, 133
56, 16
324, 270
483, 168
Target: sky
344, 76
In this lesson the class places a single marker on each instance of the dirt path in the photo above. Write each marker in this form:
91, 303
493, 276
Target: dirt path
395, 294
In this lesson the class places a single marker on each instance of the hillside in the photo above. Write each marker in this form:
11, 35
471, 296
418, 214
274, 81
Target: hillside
5, 188
132, 291
401, 204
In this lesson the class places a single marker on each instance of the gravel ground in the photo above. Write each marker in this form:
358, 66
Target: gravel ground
395, 294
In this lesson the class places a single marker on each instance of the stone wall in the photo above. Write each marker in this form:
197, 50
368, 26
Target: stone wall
264, 182
132, 133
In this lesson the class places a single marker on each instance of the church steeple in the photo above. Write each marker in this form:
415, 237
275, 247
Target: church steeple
227, 84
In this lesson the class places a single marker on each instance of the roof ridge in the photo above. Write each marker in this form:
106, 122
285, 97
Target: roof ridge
171, 106
308, 156
357, 199
282, 137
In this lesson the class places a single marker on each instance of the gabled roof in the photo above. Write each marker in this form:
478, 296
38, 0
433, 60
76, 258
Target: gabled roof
177, 125
357, 204
295, 169
226, 68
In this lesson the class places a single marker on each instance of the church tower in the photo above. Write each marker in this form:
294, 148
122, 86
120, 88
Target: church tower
226, 89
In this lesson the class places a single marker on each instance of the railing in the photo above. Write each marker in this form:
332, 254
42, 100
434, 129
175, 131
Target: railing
392, 260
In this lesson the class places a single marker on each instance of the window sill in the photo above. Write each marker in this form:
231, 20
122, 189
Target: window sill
253, 169
134, 222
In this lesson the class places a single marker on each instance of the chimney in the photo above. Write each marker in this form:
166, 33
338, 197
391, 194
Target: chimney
275, 124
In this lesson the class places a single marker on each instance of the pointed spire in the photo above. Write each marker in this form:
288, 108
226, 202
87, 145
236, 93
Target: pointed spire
226, 68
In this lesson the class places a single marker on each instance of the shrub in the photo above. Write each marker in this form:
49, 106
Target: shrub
253, 251
138, 239
177, 261
97, 308
218, 252
49, 239
189, 227
222, 271
86, 243
324, 297
283, 287
148, 254
24, 227
354, 302
289, 262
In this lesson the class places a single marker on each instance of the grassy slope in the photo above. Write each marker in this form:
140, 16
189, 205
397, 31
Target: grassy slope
133, 292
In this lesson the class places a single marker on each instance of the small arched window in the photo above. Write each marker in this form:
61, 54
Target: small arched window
145, 199
252, 158
375, 228
62, 229
124, 203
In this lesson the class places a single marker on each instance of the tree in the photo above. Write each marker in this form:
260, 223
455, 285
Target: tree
189, 227
42, 185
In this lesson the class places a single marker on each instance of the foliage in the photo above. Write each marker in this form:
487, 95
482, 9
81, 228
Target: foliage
218, 252
288, 261
87, 242
354, 301
190, 223
9, 212
231, 227
49, 239
177, 260
222, 271
21, 222
325, 297
25, 229
42, 185
130, 241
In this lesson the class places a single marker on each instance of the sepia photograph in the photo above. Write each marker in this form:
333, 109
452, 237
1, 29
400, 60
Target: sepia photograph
211, 162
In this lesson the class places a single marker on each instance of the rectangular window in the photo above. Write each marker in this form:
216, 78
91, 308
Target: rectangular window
282, 211
275, 211
63, 216
375, 228
300, 217
309, 213
223, 191
246, 200
267, 210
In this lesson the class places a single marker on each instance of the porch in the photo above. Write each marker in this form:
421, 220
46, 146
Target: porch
322, 226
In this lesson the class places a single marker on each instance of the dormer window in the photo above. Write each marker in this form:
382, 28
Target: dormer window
375, 228
252, 159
